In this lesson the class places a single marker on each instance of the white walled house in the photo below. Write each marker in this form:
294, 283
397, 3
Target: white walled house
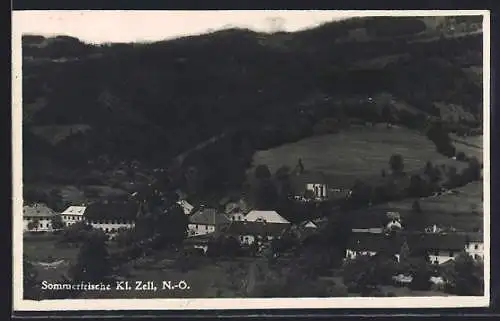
440, 248
476, 250
73, 214
205, 221
247, 232
112, 216
37, 217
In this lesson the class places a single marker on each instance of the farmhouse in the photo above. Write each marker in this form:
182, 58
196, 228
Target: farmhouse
441, 248
205, 221
475, 245
372, 244
37, 217
73, 214
265, 217
249, 232
112, 216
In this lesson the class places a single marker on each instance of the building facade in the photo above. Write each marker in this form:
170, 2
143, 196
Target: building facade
206, 221
73, 214
37, 217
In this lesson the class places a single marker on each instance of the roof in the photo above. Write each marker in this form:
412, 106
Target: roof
208, 216
255, 228
38, 210
112, 210
201, 239
74, 210
267, 216
475, 237
310, 224
429, 242
374, 242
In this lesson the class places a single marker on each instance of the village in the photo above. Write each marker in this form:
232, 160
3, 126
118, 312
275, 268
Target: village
258, 232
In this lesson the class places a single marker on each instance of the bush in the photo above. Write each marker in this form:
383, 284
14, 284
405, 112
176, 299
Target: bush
461, 157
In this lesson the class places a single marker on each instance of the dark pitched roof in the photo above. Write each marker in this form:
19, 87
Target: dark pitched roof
257, 228
374, 242
112, 211
201, 239
208, 216
429, 242
475, 237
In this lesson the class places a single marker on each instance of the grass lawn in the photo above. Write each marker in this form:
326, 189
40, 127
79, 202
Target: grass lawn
463, 211
470, 145
208, 279
45, 248
360, 152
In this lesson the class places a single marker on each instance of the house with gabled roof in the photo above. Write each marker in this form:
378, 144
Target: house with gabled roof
205, 221
440, 248
73, 214
265, 217
248, 232
37, 217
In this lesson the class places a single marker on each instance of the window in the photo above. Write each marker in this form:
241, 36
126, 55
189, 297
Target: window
206, 227
476, 246
477, 257
451, 253
107, 229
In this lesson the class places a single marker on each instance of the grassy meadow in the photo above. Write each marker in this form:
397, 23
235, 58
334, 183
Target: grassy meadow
462, 209
357, 153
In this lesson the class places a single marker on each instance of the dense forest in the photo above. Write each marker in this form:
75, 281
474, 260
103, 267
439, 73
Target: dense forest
151, 102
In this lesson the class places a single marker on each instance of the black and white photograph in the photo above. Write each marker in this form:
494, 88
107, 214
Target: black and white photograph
250, 159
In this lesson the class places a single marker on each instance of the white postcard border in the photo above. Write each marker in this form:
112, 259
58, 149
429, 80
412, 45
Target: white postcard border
238, 304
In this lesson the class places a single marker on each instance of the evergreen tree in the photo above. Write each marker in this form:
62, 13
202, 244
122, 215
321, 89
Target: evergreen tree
93, 260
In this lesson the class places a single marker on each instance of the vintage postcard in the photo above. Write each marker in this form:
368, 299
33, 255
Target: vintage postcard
168, 160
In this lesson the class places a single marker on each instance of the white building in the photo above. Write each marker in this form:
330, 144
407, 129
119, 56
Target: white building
258, 231
73, 214
205, 221
475, 246
111, 217
265, 216
186, 207
37, 217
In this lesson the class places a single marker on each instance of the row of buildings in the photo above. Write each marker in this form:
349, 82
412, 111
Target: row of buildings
257, 226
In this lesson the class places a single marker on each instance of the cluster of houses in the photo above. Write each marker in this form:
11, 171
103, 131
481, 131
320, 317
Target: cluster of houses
251, 226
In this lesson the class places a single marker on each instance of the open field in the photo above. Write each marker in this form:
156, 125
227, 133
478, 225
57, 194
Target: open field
463, 210
359, 152
45, 248
471, 145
